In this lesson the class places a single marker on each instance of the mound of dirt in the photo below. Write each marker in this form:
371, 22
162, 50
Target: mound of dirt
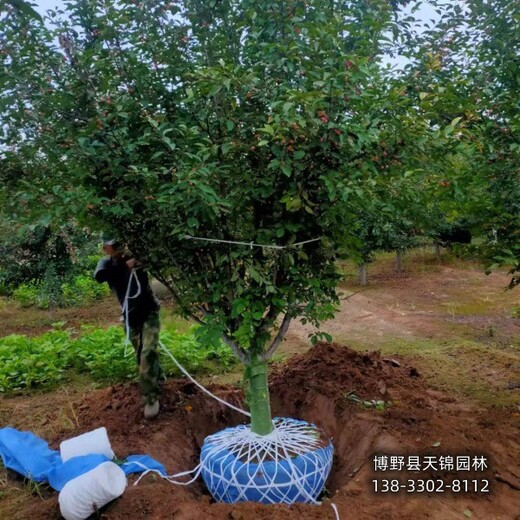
335, 388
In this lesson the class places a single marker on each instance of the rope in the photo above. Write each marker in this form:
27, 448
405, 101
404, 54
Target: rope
125, 307
205, 390
125, 310
250, 244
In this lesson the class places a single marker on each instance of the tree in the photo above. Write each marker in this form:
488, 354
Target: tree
237, 121
393, 218
496, 63
467, 70
19, 7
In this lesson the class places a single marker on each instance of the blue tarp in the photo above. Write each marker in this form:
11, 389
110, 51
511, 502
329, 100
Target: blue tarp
31, 456
135, 463
27, 454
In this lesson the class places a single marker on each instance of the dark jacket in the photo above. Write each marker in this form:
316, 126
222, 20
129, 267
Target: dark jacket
115, 272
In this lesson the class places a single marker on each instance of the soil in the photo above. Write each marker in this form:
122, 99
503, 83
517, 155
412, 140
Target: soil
466, 302
326, 386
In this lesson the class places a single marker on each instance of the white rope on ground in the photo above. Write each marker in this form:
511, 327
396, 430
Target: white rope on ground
250, 244
335, 508
172, 479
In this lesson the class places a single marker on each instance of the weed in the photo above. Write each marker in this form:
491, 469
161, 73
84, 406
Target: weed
373, 403
36, 488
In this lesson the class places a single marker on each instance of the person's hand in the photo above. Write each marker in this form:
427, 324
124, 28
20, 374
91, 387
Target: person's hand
132, 263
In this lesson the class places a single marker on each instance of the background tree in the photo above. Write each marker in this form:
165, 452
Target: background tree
467, 69
19, 7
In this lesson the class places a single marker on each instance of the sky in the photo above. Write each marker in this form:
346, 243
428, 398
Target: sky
424, 13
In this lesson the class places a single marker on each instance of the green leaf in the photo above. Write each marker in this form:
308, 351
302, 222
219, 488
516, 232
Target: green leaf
286, 169
456, 121
263, 142
24, 7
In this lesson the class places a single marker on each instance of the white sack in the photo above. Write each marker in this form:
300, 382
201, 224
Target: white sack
98, 486
88, 443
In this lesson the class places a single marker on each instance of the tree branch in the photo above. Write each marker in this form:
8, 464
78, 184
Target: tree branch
278, 338
239, 352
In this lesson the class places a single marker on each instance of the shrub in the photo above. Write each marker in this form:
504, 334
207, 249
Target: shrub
26, 294
83, 289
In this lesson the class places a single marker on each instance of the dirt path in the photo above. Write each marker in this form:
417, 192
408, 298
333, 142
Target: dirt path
466, 304
459, 326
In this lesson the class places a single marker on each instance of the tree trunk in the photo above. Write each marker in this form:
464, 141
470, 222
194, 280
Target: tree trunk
258, 397
363, 274
438, 251
399, 262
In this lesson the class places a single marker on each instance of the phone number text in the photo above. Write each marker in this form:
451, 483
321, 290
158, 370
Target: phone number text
430, 486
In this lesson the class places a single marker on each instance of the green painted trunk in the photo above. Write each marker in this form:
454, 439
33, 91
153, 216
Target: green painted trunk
258, 397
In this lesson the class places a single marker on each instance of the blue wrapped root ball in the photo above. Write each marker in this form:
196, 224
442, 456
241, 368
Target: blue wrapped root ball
289, 465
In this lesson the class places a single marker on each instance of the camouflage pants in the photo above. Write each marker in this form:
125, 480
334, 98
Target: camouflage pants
145, 340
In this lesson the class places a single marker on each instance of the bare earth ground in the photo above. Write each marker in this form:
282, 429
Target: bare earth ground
448, 361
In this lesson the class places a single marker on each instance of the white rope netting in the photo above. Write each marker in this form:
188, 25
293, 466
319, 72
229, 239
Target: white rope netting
289, 465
